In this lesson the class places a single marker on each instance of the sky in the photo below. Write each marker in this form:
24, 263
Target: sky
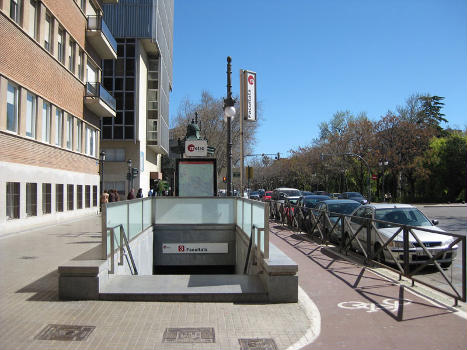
316, 57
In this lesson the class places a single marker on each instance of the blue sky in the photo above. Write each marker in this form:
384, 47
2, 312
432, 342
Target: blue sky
314, 58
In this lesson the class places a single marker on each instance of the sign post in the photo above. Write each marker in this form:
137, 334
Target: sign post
247, 111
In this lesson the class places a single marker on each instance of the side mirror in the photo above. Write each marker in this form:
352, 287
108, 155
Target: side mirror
435, 222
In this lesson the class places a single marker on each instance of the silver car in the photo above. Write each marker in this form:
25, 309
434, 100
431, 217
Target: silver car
402, 214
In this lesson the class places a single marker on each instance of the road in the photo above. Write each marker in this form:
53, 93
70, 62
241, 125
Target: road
452, 219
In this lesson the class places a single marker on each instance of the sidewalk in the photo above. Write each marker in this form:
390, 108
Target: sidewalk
29, 303
350, 307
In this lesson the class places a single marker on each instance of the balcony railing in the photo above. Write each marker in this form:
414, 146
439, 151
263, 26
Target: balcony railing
97, 90
97, 23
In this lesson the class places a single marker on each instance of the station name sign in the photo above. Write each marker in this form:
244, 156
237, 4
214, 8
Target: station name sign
195, 248
248, 94
196, 148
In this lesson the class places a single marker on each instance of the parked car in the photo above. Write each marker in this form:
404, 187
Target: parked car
356, 196
333, 208
335, 196
267, 196
279, 194
306, 193
403, 214
255, 195
305, 203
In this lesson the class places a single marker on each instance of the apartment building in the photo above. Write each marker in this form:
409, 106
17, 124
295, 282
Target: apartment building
141, 80
51, 106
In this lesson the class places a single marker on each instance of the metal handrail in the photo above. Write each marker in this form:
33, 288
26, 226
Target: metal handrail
310, 223
123, 240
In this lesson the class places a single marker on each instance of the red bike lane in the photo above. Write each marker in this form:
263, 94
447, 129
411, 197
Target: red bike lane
360, 309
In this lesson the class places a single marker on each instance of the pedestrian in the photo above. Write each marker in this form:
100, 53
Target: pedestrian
117, 196
131, 194
112, 196
140, 193
104, 197
151, 192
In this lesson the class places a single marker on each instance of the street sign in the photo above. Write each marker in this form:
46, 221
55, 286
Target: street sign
196, 148
248, 94
374, 177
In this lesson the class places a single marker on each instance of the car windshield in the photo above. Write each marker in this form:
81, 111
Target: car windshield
342, 208
291, 193
313, 202
403, 216
293, 201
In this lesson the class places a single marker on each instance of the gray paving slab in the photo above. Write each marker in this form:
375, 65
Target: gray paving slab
29, 303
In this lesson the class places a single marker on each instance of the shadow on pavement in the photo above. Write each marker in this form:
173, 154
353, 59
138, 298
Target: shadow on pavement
43, 289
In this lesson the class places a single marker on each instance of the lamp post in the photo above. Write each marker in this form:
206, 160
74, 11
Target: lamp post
130, 176
383, 163
229, 113
102, 160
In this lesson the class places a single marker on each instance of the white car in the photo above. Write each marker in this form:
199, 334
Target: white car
402, 214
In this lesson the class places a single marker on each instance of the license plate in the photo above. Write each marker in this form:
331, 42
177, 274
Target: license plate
433, 252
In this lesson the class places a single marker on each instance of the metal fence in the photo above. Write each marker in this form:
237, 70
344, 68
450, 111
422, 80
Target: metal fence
361, 234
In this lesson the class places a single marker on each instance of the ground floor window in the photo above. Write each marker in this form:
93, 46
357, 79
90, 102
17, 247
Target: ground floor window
87, 202
79, 195
69, 197
59, 197
94, 196
46, 198
31, 199
12, 200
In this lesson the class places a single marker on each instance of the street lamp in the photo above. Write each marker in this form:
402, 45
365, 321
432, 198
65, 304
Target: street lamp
229, 113
130, 177
382, 164
102, 159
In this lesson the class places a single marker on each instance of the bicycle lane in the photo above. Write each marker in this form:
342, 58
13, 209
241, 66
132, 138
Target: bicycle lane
361, 310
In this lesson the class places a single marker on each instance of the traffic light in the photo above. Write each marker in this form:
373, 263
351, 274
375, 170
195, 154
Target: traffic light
249, 172
134, 172
224, 179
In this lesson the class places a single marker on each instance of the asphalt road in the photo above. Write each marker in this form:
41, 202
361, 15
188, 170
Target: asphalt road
452, 219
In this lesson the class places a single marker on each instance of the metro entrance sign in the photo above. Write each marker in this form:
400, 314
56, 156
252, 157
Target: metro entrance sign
196, 148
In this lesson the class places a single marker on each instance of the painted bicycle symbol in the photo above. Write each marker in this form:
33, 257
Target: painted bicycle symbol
387, 304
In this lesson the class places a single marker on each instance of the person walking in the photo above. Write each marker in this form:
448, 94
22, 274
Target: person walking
131, 194
112, 196
140, 193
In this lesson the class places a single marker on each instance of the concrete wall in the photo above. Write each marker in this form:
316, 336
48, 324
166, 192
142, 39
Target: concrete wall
141, 249
194, 234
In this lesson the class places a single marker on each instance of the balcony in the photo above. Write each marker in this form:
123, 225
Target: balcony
100, 37
99, 100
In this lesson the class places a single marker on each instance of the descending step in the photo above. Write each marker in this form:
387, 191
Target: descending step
208, 288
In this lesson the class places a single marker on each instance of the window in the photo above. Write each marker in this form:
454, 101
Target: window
48, 32
32, 30
114, 154
72, 56
58, 127
69, 132
46, 198
90, 142
79, 196
61, 45
59, 197
91, 73
69, 197
46, 117
31, 199
87, 201
94, 196
79, 135
12, 108
12, 200
83, 5
31, 102
81, 64
15, 10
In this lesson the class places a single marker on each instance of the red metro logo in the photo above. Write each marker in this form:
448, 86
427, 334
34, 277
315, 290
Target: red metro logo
251, 79
181, 248
191, 147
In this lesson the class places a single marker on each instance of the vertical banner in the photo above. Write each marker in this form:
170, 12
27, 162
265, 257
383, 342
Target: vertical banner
248, 95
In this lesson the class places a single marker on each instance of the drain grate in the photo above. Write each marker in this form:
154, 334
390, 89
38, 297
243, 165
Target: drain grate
189, 335
65, 332
257, 344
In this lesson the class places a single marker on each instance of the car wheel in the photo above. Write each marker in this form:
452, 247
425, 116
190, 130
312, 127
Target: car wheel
380, 257
445, 265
